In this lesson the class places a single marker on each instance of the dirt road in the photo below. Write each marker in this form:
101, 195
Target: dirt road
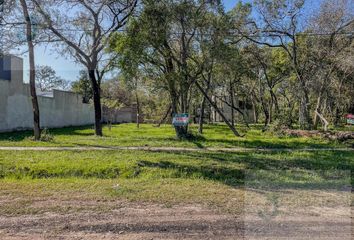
117, 220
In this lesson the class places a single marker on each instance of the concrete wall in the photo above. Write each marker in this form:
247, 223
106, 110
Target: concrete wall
227, 111
61, 110
123, 115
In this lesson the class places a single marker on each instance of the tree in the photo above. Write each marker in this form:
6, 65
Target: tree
2, 6
315, 75
83, 86
279, 27
47, 80
32, 76
162, 40
15, 17
270, 68
85, 31
331, 54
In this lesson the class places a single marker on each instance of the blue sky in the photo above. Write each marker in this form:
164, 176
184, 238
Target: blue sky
67, 69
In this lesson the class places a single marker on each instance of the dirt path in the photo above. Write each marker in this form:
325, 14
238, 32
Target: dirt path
171, 149
147, 222
133, 222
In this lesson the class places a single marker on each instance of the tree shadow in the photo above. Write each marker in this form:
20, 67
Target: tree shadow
19, 136
15, 137
226, 175
73, 131
267, 144
316, 160
312, 172
199, 141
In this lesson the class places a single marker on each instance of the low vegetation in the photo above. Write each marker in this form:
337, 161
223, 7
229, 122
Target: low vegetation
147, 135
220, 180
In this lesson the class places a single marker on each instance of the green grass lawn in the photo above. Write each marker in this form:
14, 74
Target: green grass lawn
215, 179
147, 135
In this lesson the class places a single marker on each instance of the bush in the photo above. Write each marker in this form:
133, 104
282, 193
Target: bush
278, 127
46, 136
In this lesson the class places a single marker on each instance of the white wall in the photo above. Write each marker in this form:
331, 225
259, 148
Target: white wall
61, 110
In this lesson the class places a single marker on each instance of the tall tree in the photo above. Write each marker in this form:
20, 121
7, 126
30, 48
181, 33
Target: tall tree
85, 27
32, 75
331, 54
279, 27
163, 41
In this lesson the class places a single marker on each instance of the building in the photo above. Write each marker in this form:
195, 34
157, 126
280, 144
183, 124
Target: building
224, 106
57, 108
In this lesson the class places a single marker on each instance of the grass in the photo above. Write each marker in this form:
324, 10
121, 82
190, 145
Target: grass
227, 168
220, 180
147, 135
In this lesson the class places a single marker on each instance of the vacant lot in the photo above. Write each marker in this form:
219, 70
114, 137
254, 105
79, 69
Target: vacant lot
174, 195
147, 135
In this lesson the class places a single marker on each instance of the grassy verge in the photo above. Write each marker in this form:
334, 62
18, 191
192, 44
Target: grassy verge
219, 180
147, 135
227, 168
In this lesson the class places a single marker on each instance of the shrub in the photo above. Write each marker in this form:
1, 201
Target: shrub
46, 136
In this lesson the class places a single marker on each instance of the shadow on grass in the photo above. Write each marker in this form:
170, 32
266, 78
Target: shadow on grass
68, 131
252, 143
218, 135
15, 136
309, 173
273, 161
223, 174
73, 131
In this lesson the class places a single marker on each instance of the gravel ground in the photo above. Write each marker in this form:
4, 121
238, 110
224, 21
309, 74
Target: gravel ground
117, 220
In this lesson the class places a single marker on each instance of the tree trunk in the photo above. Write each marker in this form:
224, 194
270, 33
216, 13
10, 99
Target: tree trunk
97, 102
266, 116
270, 112
201, 117
255, 113
337, 117
325, 122
304, 113
266, 108
317, 111
202, 109
163, 119
236, 133
137, 110
35, 107
232, 104
275, 102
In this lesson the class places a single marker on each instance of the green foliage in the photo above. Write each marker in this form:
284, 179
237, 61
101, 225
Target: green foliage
83, 86
47, 79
